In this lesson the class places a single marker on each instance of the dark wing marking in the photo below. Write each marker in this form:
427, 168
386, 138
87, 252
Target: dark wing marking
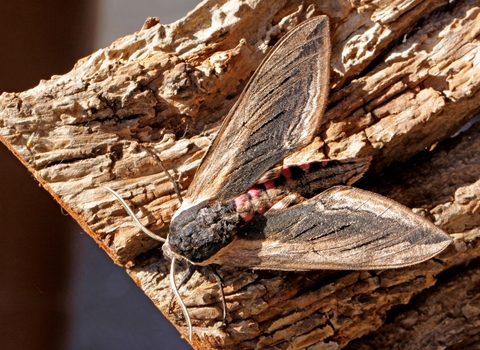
279, 112
341, 228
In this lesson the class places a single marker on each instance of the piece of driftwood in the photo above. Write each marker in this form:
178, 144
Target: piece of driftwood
405, 76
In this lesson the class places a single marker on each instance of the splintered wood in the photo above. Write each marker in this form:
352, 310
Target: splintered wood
405, 78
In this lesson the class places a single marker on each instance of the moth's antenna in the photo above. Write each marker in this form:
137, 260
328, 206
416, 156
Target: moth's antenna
160, 163
132, 215
186, 277
180, 301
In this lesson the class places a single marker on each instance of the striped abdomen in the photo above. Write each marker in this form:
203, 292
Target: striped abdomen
289, 184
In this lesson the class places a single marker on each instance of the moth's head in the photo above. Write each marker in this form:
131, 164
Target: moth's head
197, 233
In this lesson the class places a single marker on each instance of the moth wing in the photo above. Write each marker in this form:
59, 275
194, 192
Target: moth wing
279, 112
342, 228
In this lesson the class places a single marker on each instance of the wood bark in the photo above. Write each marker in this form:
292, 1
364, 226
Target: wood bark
405, 78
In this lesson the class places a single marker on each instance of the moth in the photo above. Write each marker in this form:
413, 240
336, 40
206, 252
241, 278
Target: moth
227, 217
246, 210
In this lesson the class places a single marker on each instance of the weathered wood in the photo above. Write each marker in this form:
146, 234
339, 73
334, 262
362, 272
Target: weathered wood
405, 77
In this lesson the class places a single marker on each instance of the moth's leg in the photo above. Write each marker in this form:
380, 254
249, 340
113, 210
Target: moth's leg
215, 274
185, 278
285, 202
205, 270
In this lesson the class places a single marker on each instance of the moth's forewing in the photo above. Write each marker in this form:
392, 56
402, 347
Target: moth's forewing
279, 112
341, 228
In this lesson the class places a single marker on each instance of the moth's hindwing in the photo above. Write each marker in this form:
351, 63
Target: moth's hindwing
279, 112
341, 228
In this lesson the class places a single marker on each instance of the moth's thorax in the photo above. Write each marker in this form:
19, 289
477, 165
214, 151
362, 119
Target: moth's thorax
199, 232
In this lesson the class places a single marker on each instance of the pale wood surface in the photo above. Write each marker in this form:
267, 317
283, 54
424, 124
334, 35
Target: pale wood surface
405, 76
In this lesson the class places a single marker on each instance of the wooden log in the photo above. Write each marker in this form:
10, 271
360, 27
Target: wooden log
405, 77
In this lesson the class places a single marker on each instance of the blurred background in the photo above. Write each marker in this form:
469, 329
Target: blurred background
58, 289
